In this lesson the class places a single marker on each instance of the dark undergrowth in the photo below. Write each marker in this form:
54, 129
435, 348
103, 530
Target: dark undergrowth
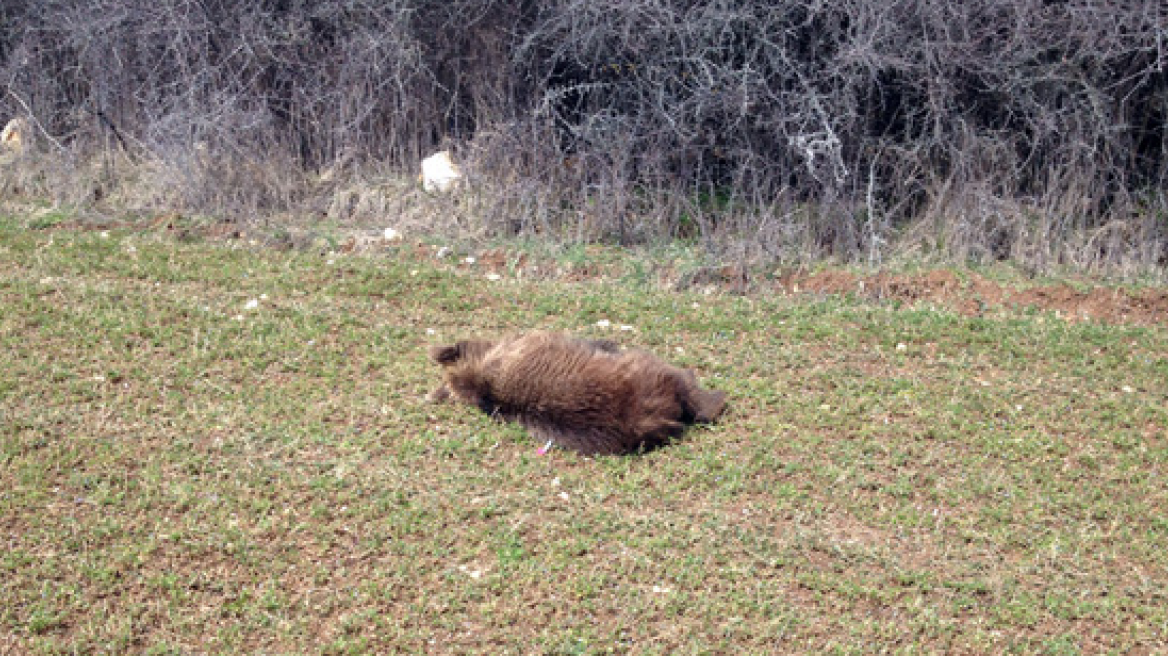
995, 130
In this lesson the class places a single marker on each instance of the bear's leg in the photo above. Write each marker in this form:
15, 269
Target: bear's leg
703, 405
439, 395
706, 405
654, 432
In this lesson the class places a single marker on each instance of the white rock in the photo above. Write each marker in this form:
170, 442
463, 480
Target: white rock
471, 572
439, 172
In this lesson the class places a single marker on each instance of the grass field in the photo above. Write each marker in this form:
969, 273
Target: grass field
215, 449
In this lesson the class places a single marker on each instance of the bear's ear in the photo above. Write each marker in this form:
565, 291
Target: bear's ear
465, 350
446, 354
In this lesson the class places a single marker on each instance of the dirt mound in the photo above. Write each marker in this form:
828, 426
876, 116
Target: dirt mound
973, 294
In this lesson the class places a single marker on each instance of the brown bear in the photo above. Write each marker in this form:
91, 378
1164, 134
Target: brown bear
589, 396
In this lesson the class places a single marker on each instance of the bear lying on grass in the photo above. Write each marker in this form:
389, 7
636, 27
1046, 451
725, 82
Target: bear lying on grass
589, 396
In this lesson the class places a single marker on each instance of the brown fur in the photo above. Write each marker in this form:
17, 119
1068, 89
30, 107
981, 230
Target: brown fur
589, 396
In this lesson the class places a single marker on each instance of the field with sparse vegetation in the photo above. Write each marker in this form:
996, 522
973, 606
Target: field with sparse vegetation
214, 447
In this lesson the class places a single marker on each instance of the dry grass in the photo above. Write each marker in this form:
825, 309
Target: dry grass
213, 449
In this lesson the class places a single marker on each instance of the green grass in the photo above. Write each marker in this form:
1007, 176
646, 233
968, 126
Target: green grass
180, 473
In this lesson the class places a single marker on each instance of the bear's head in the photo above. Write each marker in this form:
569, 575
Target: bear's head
462, 372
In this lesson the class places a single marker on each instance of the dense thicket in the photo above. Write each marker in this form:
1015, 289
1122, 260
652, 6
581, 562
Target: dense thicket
1028, 129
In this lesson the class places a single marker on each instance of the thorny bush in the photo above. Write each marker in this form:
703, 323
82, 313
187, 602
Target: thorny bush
977, 129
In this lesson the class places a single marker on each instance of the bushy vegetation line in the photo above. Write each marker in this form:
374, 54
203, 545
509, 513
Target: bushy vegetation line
985, 130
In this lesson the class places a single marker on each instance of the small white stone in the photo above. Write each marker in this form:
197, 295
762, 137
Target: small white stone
469, 259
473, 573
902, 346
603, 323
392, 235
252, 304
494, 276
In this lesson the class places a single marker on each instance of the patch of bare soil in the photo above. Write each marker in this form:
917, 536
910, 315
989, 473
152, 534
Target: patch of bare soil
975, 294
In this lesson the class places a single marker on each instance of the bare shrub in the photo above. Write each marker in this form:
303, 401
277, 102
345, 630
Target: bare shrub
983, 129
